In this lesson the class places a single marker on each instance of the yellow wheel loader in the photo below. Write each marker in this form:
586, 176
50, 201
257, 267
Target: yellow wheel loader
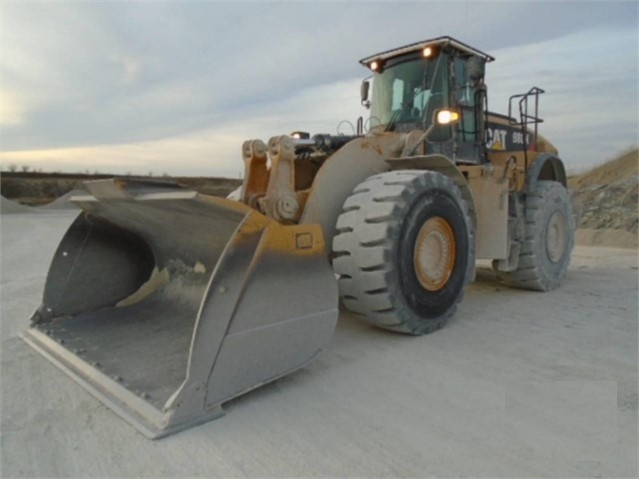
165, 303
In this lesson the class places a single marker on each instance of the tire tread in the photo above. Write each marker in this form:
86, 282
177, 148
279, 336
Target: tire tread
530, 273
367, 291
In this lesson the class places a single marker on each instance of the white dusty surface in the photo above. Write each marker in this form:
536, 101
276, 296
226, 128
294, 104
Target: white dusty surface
518, 384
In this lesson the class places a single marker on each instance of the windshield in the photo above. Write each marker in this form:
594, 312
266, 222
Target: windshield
401, 93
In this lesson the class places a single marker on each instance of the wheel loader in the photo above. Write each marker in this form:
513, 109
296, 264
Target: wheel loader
165, 303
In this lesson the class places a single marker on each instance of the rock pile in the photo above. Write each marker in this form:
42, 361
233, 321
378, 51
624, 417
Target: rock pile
609, 194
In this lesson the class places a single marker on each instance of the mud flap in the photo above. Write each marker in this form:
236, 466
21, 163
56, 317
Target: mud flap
164, 303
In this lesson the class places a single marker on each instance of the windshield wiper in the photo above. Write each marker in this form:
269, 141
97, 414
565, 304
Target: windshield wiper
396, 114
393, 119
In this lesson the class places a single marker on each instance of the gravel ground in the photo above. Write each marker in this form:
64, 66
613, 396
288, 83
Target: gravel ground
518, 384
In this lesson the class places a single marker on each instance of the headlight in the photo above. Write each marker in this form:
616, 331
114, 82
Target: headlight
446, 117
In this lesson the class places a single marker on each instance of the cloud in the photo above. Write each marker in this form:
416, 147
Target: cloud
131, 68
90, 76
209, 151
589, 108
12, 108
110, 73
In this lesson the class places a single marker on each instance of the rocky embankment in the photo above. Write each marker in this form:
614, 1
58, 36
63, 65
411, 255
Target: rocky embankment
607, 197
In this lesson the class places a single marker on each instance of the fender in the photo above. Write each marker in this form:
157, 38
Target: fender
546, 167
443, 165
342, 172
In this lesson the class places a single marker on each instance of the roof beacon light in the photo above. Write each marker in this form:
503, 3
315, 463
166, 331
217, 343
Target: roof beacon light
427, 52
374, 66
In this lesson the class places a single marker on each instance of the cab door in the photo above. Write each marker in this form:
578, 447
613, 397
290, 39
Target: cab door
469, 96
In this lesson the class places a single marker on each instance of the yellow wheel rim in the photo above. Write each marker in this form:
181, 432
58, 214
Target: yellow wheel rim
434, 254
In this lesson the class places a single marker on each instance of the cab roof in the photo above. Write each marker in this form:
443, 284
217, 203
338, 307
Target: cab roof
435, 42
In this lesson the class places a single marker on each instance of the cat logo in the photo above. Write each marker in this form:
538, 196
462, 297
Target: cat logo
496, 139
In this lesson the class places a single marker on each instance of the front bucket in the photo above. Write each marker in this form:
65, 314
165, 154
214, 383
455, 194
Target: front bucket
165, 303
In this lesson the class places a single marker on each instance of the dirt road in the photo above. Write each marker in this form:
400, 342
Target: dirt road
518, 384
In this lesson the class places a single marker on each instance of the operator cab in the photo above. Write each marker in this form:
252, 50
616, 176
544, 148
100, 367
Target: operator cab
411, 83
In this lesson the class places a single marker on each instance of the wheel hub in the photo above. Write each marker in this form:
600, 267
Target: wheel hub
434, 254
556, 236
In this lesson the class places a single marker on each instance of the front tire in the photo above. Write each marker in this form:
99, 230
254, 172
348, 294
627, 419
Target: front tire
404, 251
550, 227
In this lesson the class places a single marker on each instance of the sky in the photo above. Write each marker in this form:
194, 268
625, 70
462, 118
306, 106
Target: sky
176, 87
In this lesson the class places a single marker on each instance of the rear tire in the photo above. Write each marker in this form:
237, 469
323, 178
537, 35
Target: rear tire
403, 250
549, 240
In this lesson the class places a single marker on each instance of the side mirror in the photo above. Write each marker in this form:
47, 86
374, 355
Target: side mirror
363, 93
